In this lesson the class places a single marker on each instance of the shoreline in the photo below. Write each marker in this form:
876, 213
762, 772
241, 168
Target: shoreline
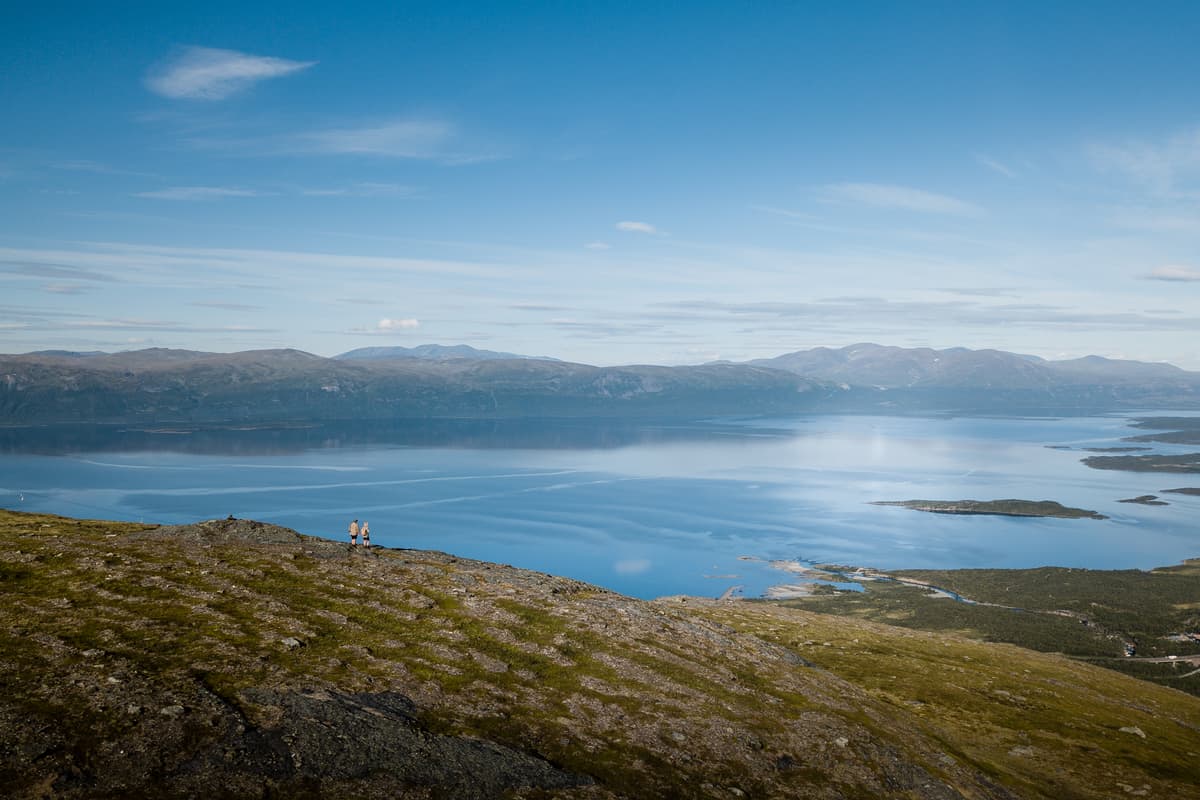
813, 579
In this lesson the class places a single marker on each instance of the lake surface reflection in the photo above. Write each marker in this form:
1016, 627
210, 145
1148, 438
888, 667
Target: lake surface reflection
643, 508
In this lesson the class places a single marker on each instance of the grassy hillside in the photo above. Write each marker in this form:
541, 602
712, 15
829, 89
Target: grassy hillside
236, 659
1041, 726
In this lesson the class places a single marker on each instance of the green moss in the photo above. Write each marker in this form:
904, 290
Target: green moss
983, 700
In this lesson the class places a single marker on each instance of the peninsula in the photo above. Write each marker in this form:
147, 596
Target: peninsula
1184, 462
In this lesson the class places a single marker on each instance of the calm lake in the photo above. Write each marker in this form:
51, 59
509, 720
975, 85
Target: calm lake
647, 509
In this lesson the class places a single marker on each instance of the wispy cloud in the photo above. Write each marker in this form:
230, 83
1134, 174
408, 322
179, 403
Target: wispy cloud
1174, 273
902, 316
386, 327
402, 138
198, 193
362, 190
366, 189
1177, 217
40, 264
536, 307
121, 324
204, 73
996, 166
786, 212
226, 306
397, 324
221, 268
572, 327
83, 165
597, 246
96, 167
65, 288
982, 291
904, 198
636, 227
1160, 166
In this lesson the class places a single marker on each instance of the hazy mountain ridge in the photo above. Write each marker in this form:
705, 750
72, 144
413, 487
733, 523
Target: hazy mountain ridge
432, 352
157, 386
288, 385
958, 367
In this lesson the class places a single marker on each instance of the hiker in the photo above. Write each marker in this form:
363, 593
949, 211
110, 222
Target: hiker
366, 534
354, 533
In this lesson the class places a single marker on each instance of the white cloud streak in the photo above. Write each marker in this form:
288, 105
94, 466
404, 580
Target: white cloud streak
158, 325
397, 324
65, 288
1175, 218
636, 227
362, 190
1174, 273
893, 317
996, 166
205, 73
198, 193
399, 138
418, 139
904, 198
97, 168
200, 267
226, 306
1159, 167
787, 213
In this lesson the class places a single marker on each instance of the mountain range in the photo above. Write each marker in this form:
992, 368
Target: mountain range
163, 386
958, 367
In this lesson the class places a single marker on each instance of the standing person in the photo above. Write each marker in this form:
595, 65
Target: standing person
366, 534
354, 532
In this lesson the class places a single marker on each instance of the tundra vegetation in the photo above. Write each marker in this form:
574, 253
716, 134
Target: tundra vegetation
239, 659
1089, 615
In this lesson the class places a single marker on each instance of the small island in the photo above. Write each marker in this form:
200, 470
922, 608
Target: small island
1006, 508
1192, 490
1145, 500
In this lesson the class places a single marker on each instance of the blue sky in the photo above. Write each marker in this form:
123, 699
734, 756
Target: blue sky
608, 183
